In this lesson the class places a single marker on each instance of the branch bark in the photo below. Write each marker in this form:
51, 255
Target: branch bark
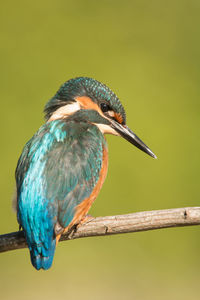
102, 226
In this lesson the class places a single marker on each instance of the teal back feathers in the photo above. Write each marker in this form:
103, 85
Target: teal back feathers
58, 169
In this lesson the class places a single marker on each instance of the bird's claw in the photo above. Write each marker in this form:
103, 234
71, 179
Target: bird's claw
85, 220
73, 229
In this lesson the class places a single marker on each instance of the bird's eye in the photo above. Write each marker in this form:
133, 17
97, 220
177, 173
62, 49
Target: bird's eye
105, 107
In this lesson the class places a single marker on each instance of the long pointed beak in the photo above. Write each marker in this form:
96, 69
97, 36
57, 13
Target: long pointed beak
130, 136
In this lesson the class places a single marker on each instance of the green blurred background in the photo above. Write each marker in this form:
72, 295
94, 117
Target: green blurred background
148, 53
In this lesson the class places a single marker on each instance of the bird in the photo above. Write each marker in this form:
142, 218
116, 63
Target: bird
63, 166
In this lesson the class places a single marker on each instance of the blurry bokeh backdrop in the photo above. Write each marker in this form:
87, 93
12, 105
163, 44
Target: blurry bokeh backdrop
148, 53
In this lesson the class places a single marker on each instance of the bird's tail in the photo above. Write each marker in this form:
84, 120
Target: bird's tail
42, 255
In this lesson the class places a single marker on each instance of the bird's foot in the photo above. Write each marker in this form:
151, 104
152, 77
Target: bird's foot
73, 229
85, 220
71, 232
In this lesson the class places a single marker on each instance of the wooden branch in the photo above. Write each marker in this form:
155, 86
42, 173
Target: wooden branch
102, 226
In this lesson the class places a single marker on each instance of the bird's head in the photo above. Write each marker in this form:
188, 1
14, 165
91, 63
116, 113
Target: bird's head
97, 104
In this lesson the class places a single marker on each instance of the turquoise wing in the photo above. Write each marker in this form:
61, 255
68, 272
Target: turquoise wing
72, 168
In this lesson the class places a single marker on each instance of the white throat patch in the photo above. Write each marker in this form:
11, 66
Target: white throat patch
65, 111
106, 129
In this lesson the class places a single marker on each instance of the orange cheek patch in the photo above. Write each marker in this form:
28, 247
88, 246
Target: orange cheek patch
118, 117
87, 103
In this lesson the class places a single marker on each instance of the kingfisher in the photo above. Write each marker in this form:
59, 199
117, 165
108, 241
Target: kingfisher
63, 166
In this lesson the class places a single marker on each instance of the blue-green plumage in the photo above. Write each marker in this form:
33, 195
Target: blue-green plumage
58, 169
63, 166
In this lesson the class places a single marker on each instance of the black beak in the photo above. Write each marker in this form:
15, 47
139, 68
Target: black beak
130, 136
